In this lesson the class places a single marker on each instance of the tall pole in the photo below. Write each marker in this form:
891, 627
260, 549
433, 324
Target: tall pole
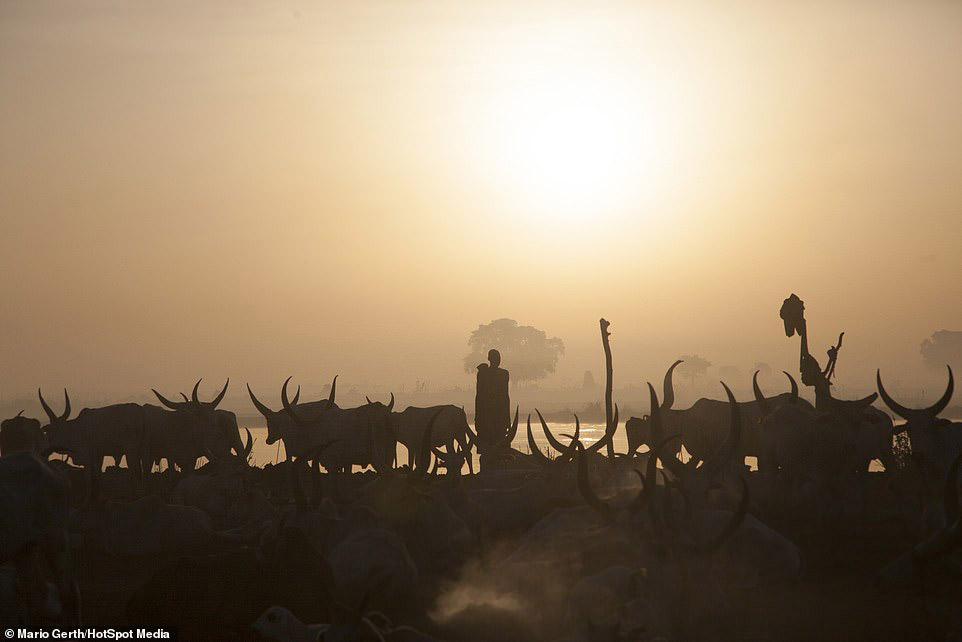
609, 420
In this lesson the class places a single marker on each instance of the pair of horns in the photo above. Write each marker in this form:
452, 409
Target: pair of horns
194, 401
916, 413
50, 413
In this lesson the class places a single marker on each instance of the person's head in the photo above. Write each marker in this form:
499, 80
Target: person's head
494, 357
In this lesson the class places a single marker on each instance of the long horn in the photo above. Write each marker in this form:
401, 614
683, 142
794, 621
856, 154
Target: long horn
760, 399
587, 492
369, 402
330, 397
300, 421
250, 444
219, 397
736, 521
728, 449
894, 406
794, 384
167, 402
570, 450
669, 388
66, 406
513, 430
539, 457
47, 409
390, 404
671, 461
193, 395
261, 408
557, 445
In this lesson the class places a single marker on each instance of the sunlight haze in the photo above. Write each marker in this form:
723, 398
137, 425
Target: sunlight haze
258, 189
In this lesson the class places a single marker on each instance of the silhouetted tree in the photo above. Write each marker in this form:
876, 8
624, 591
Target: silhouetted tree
693, 366
588, 383
527, 352
943, 347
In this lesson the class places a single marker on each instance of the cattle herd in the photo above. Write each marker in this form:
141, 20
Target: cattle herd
581, 543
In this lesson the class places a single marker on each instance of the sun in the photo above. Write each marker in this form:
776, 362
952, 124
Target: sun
570, 134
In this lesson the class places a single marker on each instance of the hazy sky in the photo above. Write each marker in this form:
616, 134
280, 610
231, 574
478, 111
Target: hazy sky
258, 189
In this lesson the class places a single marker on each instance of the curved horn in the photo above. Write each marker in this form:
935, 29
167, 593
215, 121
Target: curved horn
47, 409
300, 421
940, 405
587, 491
66, 406
669, 388
794, 384
539, 457
736, 521
369, 402
19, 413
213, 404
513, 430
261, 408
557, 445
760, 399
167, 402
184, 397
330, 397
730, 448
193, 395
390, 404
894, 406
250, 444
671, 462
570, 450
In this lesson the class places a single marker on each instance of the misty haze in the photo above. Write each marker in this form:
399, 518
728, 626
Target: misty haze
481, 321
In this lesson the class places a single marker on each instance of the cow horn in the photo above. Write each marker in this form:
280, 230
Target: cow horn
47, 409
330, 397
213, 404
584, 485
669, 388
894, 406
369, 402
670, 462
184, 397
390, 404
19, 413
300, 421
557, 445
760, 399
261, 408
167, 402
539, 457
736, 521
193, 395
732, 441
513, 430
794, 384
249, 447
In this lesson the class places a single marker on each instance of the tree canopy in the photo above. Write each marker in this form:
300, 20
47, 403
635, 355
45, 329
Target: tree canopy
527, 352
943, 347
693, 366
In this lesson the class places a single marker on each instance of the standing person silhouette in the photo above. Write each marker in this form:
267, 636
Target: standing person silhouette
492, 406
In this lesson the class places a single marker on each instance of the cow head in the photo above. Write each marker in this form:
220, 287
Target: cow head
925, 429
205, 412
21, 433
279, 423
56, 431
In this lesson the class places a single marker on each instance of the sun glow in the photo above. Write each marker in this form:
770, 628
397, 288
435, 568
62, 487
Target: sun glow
572, 132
